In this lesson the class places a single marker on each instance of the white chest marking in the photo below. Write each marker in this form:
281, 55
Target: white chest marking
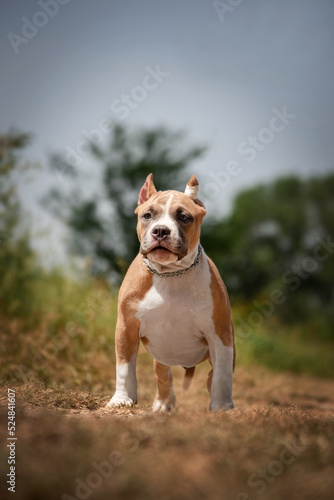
175, 316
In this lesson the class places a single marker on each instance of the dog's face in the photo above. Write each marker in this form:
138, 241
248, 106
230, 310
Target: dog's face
168, 222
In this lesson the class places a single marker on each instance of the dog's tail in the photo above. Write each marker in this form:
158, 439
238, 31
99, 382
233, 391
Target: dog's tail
188, 376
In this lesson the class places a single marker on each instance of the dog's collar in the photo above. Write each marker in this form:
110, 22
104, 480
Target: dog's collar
173, 274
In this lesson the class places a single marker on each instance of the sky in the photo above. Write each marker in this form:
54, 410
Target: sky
251, 79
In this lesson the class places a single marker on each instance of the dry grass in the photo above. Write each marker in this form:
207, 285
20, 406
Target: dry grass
61, 364
63, 435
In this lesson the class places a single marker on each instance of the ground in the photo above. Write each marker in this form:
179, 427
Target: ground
276, 444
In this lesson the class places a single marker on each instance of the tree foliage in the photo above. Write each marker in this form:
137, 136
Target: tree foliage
277, 237
17, 259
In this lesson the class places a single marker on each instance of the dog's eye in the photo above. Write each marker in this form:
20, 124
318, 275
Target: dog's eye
147, 216
184, 218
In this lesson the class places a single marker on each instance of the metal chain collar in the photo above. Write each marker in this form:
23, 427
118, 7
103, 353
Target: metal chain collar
173, 274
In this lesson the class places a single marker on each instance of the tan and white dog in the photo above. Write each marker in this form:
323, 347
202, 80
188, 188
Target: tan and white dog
173, 300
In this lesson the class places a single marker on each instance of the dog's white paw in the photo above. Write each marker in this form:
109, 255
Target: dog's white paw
119, 400
164, 405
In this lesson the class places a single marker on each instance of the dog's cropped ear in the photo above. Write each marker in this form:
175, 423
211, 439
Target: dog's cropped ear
192, 191
147, 190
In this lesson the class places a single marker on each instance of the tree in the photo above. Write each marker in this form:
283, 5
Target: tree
103, 224
271, 240
17, 259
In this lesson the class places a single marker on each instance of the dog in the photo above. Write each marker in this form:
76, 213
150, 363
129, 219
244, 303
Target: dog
173, 300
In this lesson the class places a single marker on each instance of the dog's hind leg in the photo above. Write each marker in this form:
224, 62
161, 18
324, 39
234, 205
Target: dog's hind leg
188, 376
210, 375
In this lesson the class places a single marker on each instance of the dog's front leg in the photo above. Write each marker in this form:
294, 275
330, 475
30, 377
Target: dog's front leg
127, 344
222, 364
165, 397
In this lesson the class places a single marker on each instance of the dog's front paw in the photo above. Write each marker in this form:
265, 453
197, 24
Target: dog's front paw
226, 406
164, 405
119, 400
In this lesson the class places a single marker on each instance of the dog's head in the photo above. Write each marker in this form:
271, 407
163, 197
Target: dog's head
168, 222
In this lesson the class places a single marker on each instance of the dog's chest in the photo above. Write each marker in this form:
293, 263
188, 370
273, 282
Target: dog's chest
175, 316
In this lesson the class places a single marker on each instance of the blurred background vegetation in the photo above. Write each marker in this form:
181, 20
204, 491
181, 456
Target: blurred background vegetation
274, 251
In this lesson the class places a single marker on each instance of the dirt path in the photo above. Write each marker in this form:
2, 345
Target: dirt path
276, 444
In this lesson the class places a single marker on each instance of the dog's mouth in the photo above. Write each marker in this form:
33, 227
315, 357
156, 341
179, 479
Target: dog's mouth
162, 254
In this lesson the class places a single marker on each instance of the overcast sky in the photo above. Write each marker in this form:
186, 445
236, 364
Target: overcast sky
252, 79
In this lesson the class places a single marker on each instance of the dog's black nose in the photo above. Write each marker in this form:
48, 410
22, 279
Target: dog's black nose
160, 232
